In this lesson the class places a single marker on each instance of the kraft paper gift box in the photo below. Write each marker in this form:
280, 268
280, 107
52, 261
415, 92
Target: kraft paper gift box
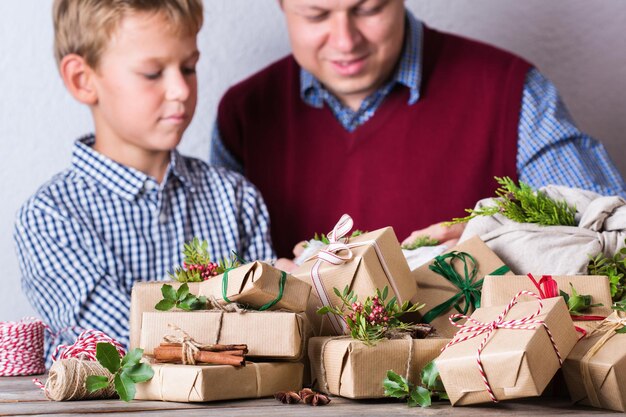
352, 369
268, 334
516, 363
254, 285
499, 289
376, 262
601, 358
193, 383
437, 290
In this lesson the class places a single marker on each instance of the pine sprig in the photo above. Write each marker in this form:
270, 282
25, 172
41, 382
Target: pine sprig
419, 242
371, 319
197, 265
397, 386
125, 372
614, 268
523, 204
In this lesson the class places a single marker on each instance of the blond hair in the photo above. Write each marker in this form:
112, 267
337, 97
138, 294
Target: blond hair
84, 27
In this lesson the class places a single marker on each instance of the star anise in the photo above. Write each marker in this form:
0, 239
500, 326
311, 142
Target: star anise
288, 397
313, 398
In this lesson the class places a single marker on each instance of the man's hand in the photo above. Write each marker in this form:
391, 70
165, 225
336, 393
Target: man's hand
446, 235
285, 264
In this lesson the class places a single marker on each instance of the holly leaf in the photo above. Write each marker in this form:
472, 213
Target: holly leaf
124, 386
420, 396
132, 358
622, 330
165, 305
430, 373
108, 356
96, 382
140, 372
169, 293
395, 385
182, 293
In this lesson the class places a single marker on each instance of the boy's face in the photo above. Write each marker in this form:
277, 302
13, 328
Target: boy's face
351, 46
146, 88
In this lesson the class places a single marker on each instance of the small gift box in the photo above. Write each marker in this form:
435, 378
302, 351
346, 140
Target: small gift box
365, 263
497, 290
595, 370
193, 383
268, 334
352, 369
255, 285
452, 282
507, 352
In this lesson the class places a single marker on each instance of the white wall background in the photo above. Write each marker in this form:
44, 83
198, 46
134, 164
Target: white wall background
579, 44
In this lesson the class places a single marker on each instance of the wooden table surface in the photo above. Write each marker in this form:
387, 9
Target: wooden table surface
19, 396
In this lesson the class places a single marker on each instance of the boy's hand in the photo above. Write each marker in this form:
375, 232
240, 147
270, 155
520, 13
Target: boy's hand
285, 264
446, 235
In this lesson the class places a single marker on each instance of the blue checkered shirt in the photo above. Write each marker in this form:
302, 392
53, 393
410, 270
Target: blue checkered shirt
95, 229
551, 149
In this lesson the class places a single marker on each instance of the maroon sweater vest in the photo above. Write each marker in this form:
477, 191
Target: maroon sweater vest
408, 166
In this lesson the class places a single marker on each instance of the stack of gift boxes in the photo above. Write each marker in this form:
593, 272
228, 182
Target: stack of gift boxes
518, 330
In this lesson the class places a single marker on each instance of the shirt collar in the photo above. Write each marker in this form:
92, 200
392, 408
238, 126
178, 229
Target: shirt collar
125, 181
408, 72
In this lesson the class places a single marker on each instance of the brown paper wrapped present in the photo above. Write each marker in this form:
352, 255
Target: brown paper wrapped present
365, 263
255, 284
498, 290
193, 383
514, 362
595, 370
350, 368
268, 334
441, 289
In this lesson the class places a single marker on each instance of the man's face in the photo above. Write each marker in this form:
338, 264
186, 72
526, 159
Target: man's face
146, 87
351, 46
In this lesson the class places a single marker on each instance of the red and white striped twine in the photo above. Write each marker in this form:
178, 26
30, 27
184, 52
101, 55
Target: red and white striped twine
479, 328
21, 347
83, 348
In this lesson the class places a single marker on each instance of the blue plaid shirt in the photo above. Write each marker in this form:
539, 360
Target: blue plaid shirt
95, 229
551, 149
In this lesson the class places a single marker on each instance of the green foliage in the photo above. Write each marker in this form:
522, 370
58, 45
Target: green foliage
324, 239
576, 303
524, 205
419, 242
620, 306
181, 299
613, 267
197, 264
370, 320
397, 386
125, 372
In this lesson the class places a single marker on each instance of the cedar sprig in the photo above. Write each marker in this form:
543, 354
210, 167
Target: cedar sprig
523, 204
614, 268
197, 265
371, 319
421, 241
397, 386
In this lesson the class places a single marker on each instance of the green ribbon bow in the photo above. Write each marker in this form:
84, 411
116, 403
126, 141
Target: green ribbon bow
469, 289
281, 288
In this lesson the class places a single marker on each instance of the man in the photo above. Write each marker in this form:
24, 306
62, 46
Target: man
381, 117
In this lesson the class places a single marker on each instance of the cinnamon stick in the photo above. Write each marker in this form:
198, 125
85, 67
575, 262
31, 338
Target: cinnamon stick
213, 348
175, 354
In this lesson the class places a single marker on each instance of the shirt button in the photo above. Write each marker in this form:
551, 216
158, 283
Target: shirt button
149, 186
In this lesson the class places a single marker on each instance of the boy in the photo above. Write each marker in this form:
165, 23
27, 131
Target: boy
122, 211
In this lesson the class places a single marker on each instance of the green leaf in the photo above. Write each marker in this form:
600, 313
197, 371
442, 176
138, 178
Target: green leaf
169, 293
324, 310
622, 330
395, 385
124, 386
140, 372
338, 293
385, 293
132, 358
564, 295
108, 356
430, 373
165, 305
420, 396
96, 382
183, 292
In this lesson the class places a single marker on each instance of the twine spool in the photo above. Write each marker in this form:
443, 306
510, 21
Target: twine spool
21, 347
67, 377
